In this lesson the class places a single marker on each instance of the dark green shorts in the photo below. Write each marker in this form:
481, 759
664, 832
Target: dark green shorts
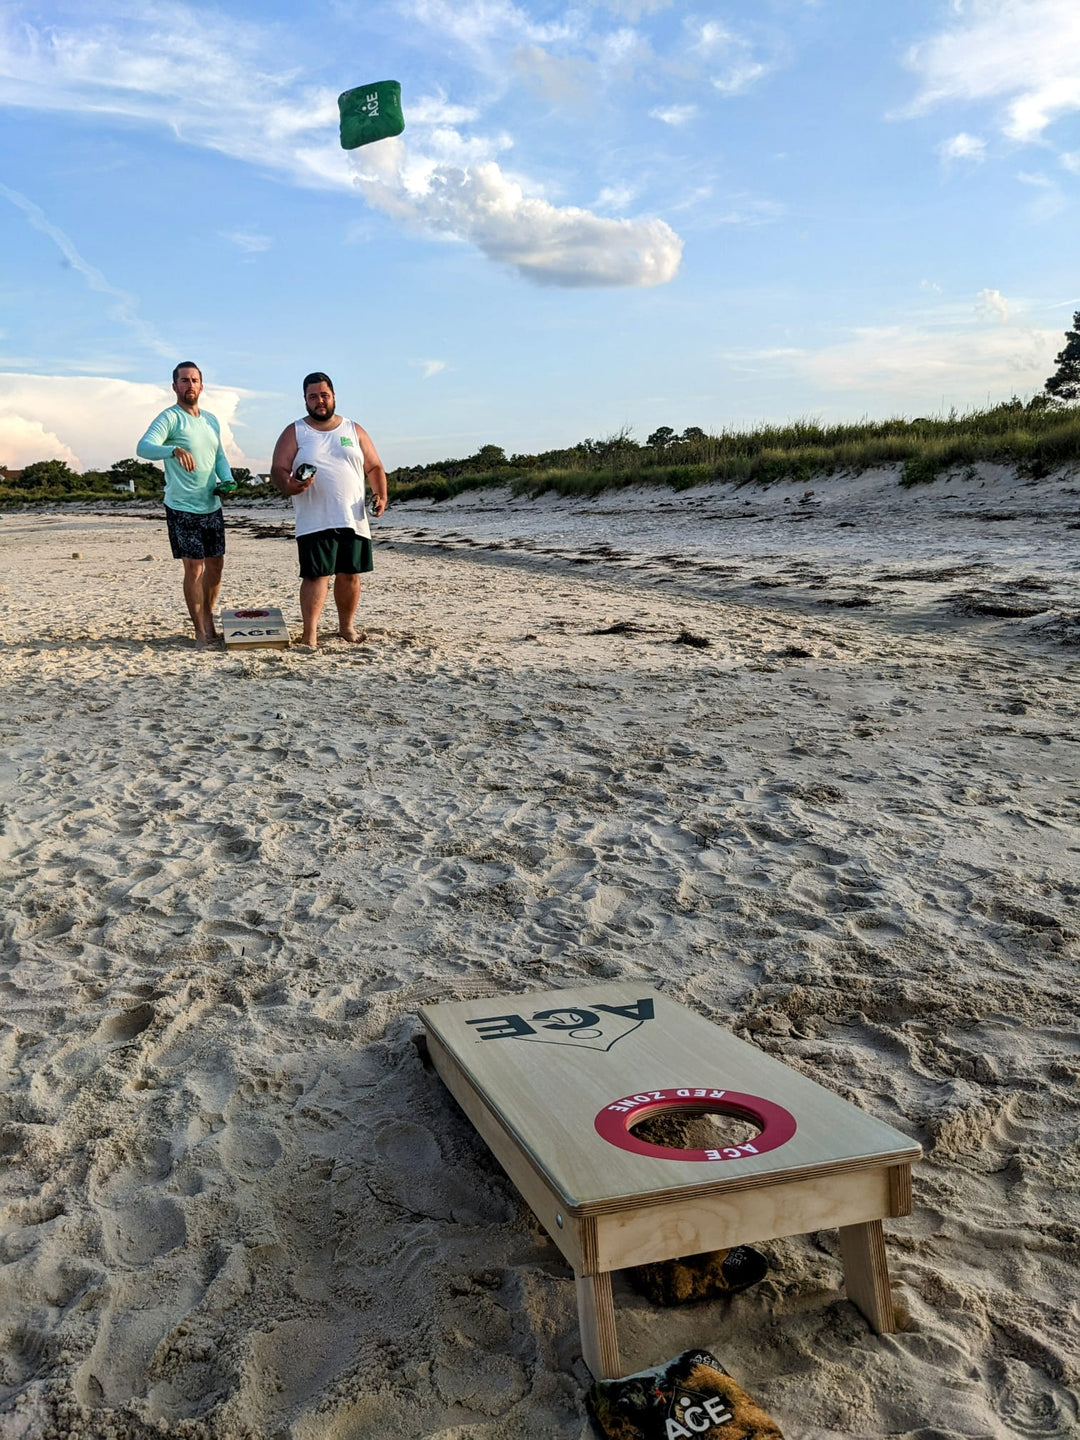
333, 552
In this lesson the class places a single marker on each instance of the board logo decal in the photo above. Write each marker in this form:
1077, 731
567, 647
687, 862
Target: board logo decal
777, 1124
692, 1414
598, 1028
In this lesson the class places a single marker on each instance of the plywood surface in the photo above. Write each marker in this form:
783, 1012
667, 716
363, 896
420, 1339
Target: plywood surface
254, 627
548, 1063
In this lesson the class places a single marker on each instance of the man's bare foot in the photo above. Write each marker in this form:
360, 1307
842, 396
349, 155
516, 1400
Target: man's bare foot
354, 637
203, 641
309, 642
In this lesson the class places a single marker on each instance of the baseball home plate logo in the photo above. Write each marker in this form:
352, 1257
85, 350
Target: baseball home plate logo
598, 1027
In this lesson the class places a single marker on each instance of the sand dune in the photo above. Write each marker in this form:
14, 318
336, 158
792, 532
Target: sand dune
234, 1203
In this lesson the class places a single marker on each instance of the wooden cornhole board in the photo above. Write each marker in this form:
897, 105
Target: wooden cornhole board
260, 627
553, 1080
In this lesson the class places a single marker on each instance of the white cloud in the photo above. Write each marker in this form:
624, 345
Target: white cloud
482, 25
622, 49
436, 180
90, 421
633, 9
697, 196
248, 242
992, 305
1070, 159
1049, 201
437, 110
615, 197
23, 441
740, 68
711, 35
431, 367
745, 210
963, 147
562, 79
919, 367
549, 244
125, 308
738, 78
1023, 53
673, 114
257, 114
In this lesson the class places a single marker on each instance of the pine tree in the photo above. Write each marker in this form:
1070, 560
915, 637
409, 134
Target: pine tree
1064, 384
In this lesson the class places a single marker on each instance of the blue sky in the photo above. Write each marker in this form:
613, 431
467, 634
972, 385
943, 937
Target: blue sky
608, 213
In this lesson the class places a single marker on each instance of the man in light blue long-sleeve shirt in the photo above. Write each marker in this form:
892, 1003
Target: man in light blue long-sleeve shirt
188, 440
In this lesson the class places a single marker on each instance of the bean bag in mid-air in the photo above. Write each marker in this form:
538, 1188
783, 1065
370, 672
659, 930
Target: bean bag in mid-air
369, 113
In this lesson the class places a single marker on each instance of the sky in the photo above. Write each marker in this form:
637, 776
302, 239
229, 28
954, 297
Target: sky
601, 214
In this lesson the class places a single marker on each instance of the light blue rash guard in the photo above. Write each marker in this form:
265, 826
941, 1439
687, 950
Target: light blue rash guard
191, 490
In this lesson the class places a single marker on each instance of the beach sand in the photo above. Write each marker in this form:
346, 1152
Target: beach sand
233, 1201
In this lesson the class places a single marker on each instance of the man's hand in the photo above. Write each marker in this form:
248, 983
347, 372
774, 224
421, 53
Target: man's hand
293, 486
187, 460
378, 505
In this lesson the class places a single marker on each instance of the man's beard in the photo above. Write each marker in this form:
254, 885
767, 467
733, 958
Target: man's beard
315, 411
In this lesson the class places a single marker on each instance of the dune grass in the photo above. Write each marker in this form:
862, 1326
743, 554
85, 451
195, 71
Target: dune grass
1036, 438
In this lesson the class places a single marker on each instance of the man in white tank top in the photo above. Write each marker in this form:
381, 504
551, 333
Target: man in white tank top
332, 531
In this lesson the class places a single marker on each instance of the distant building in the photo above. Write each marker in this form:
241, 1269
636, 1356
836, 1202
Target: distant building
256, 480
9, 475
128, 486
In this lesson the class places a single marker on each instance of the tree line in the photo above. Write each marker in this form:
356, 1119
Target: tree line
1036, 436
55, 479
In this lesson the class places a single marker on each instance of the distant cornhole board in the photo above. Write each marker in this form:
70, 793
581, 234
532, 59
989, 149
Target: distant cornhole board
556, 1083
258, 628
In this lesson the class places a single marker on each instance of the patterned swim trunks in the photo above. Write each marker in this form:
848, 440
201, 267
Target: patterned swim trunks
196, 537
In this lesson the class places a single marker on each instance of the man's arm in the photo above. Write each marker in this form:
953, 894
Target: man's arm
151, 446
281, 466
221, 464
374, 473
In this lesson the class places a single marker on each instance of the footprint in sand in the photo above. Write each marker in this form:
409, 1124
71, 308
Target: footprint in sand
247, 1150
477, 1376
142, 1229
412, 1174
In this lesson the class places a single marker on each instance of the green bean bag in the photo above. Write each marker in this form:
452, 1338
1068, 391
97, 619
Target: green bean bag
369, 113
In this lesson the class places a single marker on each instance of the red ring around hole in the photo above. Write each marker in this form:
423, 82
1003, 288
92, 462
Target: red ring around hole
251, 614
777, 1124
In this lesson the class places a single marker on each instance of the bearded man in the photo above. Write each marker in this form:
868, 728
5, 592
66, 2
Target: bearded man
324, 462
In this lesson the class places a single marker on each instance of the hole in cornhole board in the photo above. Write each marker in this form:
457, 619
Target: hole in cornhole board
770, 1124
695, 1129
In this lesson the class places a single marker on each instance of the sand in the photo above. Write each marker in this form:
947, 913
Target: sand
233, 1201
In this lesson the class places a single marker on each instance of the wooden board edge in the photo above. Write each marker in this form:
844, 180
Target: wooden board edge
613, 1206
643, 1234
900, 1190
532, 1185
257, 644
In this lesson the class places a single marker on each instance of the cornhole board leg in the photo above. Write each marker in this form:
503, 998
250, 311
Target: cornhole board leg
866, 1274
596, 1317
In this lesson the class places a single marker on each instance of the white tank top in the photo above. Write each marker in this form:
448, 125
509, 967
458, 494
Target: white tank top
335, 498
